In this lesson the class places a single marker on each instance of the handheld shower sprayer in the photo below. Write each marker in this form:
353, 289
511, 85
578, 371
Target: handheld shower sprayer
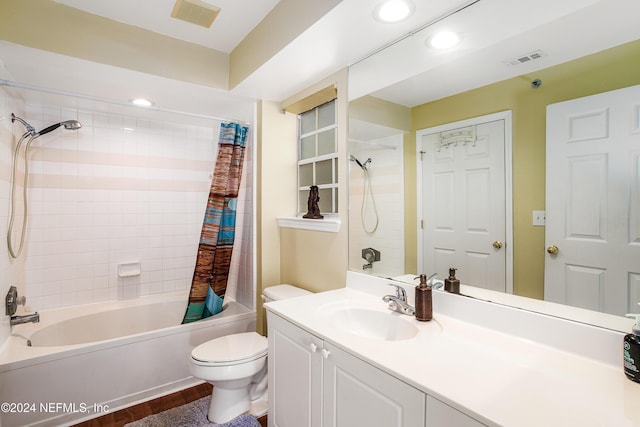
69, 125
363, 166
367, 197
33, 135
354, 159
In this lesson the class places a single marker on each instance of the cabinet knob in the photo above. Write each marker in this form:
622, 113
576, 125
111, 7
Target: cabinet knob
313, 347
325, 353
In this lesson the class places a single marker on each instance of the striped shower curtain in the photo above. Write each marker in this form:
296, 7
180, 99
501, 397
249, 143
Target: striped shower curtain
209, 282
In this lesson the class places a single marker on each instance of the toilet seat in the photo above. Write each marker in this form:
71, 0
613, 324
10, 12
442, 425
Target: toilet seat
231, 350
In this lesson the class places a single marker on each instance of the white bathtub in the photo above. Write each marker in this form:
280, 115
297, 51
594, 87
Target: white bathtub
89, 359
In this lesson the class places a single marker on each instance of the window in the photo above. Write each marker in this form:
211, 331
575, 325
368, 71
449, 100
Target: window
318, 157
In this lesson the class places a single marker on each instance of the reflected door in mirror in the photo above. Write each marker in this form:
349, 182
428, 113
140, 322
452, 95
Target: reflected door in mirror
463, 203
593, 202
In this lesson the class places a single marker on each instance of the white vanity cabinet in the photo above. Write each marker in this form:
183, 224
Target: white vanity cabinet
295, 375
442, 415
315, 384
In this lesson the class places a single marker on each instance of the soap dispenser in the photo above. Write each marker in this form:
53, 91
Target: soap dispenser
451, 284
424, 305
631, 351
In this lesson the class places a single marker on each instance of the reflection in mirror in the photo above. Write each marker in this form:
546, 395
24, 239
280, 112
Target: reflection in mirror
376, 190
463, 200
430, 97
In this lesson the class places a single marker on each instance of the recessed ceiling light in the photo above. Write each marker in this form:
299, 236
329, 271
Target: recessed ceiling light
444, 40
142, 102
393, 10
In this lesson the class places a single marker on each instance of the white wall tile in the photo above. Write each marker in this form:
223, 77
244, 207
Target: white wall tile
104, 195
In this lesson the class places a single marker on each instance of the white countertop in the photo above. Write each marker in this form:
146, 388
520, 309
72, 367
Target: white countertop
497, 378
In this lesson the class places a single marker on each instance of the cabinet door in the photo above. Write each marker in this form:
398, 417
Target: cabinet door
442, 415
295, 375
357, 394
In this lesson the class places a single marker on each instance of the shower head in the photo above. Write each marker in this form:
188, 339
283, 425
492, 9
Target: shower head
69, 125
30, 129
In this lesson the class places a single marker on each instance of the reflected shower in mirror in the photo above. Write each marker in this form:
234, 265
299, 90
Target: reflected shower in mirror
376, 199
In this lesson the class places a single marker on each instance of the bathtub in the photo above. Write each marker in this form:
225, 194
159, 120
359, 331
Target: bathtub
85, 361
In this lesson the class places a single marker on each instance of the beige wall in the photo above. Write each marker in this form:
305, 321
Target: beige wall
286, 21
276, 191
317, 261
312, 260
381, 112
608, 70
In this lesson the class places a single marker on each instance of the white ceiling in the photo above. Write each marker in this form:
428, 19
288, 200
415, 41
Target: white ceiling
495, 32
405, 72
235, 20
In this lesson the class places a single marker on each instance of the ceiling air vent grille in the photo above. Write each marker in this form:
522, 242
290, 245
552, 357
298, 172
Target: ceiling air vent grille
195, 12
522, 59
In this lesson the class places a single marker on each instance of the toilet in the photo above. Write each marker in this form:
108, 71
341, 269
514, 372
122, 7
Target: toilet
236, 365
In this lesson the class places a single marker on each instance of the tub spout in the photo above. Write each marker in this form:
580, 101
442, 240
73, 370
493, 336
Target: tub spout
27, 318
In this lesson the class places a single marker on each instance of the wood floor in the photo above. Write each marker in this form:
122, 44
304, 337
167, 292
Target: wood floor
141, 410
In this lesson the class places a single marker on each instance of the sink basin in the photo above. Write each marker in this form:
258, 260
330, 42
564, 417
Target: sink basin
371, 323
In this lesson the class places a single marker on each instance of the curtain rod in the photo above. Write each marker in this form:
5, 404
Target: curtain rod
19, 85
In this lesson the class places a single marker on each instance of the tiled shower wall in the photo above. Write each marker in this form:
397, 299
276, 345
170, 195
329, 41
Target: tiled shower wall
121, 192
10, 272
386, 176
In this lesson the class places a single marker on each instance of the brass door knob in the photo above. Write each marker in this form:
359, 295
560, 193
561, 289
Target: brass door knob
553, 250
497, 244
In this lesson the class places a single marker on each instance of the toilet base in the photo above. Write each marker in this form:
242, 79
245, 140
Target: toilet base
227, 404
260, 406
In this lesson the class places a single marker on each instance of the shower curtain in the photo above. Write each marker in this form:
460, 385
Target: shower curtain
209, 282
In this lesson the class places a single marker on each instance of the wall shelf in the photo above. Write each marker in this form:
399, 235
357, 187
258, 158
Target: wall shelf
329, 225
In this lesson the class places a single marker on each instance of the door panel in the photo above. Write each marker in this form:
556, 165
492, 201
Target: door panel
295, 376
593, 181
463, 203
357, 394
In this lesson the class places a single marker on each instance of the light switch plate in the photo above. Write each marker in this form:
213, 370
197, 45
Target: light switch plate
539, 218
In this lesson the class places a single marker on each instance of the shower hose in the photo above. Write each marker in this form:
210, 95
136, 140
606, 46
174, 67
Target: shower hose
368, 195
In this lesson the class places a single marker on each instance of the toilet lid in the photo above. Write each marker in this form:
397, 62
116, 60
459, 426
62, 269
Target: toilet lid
231, 348
279, 292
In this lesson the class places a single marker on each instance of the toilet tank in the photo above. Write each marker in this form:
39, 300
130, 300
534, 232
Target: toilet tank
284, 291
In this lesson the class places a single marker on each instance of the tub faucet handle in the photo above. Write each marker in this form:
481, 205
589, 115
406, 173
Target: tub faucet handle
12, 301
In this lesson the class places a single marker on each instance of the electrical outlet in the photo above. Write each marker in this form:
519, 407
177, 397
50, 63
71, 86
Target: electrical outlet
539, 218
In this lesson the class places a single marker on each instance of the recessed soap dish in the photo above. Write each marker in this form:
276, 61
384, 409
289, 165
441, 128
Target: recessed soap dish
128, 269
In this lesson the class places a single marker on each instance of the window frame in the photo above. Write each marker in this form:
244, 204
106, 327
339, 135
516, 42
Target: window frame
314, 160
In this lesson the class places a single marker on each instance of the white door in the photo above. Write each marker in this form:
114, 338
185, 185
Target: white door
464, 207
593, 202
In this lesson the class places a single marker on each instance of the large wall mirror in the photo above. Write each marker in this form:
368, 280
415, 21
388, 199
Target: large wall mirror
512, 61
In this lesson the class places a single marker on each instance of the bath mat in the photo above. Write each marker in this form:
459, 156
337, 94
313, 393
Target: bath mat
192, 414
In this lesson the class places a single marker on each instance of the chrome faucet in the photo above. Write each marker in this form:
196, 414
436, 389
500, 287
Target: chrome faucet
17, 320
12, 301
398, 302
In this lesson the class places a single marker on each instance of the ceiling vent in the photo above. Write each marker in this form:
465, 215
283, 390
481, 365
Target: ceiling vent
522, 59
196, 12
